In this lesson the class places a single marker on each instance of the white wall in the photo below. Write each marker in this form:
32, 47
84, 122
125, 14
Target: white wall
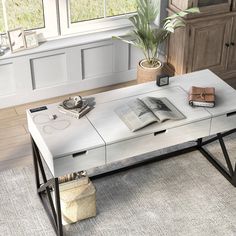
67, 66
51, 73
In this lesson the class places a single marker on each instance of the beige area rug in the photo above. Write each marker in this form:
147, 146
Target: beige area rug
181, 196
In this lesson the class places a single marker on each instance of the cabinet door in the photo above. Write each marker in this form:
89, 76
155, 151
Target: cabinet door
234, 5
207, 7
232, 50
208, 40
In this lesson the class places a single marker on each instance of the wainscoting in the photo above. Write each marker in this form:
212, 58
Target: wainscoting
49, 73
69, 65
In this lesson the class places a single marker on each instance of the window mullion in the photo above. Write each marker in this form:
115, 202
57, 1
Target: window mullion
4, 14
105, 8
68, 13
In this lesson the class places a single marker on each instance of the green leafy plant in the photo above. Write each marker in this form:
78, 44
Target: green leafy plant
146, 35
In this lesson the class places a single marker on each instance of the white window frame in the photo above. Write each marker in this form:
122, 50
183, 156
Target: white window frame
89, 26
50, 20
58, 24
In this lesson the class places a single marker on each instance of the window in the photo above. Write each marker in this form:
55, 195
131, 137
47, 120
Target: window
81, 16
26, 14
50, 18
37, 15
82, 10
114, 7
2, 27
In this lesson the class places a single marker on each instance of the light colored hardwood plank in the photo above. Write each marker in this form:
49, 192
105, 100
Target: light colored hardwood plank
26, 128
19, 151
14, 141
11, 132
7, 113
13, 121
23, 161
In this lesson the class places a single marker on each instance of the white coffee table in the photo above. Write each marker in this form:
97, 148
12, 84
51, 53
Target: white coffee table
100, 138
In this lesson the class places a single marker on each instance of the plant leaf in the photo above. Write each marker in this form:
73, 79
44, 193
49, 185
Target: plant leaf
145, 34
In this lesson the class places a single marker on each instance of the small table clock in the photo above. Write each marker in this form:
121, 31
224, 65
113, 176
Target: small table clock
162, 80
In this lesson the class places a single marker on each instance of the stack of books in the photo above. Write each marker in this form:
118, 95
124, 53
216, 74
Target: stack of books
202, 97
77, 112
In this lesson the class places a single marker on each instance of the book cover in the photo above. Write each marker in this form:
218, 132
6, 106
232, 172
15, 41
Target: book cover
199, 96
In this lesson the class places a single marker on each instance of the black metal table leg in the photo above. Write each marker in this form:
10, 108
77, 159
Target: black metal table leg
229, 173
44, 191
36, 169
45, 188
225, 153
58, 207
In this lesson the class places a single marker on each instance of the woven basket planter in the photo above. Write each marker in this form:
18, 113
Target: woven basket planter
145, 74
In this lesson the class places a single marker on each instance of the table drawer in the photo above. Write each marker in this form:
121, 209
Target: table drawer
79, 161
158, 140
223, 123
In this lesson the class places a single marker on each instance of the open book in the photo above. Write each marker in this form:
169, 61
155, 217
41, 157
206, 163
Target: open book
139, 113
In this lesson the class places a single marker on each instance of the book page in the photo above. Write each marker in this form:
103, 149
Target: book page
162, 108
135, 114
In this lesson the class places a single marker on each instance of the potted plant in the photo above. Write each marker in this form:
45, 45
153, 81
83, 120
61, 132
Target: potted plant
147, 36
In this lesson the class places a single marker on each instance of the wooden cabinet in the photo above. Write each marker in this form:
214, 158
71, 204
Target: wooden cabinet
205, 43
208, 42
205, 6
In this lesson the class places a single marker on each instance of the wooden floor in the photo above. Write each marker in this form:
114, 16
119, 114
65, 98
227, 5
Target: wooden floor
15, 147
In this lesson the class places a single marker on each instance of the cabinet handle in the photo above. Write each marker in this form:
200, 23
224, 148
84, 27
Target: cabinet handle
232, 43
227, 45
159, 132
231, 114
79, 154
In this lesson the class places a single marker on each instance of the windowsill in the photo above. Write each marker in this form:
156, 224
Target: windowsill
68, 41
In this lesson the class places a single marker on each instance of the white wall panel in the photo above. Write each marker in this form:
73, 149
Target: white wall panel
7, 82
48, 70
65, 70
135, 55
74, 64
22, 75
121, 56
97, 61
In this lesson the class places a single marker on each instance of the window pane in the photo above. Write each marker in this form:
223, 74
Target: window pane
25, 13
81, 10
115, 7
2, 28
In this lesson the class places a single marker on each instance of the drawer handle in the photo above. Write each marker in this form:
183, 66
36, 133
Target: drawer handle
79, 154
159, 132
231, 113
